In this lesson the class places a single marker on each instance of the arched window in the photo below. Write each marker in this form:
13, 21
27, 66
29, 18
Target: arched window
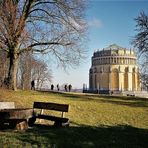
115, 61
95, 70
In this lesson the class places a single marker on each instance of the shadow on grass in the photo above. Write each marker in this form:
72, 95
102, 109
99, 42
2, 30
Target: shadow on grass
123, 136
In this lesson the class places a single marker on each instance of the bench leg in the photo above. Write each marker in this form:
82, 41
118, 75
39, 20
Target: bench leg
60, 124
66, 124
3, 125
57, 124
23, 125
31, 121
19, 124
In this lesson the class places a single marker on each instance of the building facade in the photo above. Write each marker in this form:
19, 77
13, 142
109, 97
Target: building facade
114, 69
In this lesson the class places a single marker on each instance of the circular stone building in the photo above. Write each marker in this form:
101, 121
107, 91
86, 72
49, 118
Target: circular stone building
114, 69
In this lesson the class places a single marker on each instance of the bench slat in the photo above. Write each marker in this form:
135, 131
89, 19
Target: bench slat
51, 106
7, 105
52, 118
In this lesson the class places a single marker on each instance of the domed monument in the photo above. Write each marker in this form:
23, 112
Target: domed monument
114, 69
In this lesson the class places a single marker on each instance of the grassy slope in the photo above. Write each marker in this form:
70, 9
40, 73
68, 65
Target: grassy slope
96, 121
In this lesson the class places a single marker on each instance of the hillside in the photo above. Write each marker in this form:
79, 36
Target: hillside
94, 121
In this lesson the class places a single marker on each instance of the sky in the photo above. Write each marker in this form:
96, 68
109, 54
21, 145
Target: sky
109, 22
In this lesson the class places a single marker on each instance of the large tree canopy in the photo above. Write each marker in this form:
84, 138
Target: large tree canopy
43, 26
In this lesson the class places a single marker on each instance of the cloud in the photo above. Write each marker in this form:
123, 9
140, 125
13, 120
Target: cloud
96, 23
75, 24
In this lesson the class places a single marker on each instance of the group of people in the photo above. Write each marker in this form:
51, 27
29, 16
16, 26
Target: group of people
66, 87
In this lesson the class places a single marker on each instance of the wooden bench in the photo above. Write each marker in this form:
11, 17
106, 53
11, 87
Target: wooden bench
58, 121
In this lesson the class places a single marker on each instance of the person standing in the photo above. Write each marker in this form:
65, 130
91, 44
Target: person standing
65, 87
58, 88
32, 85
52, 86
69, 87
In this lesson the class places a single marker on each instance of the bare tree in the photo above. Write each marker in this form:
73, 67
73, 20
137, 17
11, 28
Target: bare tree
40, 73
144, 77
46, 26
24, 70
31, 68
140, 41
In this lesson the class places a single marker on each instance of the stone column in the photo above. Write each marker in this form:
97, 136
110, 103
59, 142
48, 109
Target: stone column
98, 85
136, 82
109, 60
90, 81
113, 60
121, 81
109, 84
93, 81
129, 81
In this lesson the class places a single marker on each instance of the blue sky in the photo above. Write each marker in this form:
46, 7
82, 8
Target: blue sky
110, 21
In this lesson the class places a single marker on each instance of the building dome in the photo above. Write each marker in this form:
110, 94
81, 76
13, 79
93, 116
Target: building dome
114, 68
113, 47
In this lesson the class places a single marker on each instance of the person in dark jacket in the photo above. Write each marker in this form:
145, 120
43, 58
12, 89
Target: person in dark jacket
58, 88
52, 86
69, 87
32, 85
65, 88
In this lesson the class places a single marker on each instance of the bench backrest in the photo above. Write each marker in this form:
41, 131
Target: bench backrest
51, 106
7, 105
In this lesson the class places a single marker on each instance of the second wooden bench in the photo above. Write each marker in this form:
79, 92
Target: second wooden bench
58, 121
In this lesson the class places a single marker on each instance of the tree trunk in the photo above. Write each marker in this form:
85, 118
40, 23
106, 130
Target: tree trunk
13, 65
22, 80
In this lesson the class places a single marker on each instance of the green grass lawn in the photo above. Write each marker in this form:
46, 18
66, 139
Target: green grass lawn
95, 121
